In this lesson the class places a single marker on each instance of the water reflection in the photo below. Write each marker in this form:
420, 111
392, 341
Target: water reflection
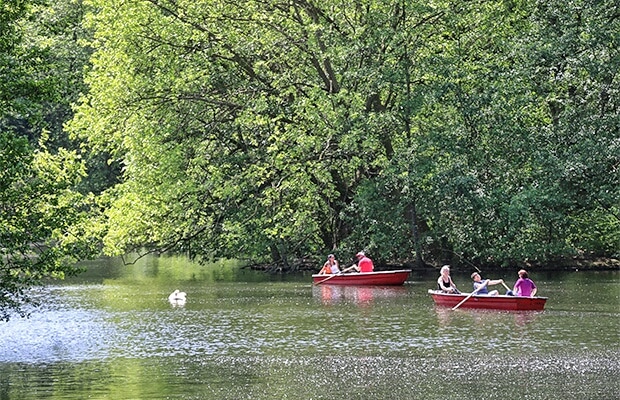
359, 295
177, 303
523, 318
112, 334
445, 316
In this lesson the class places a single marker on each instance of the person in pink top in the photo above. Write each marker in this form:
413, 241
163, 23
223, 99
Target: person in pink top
364, 264
524, 286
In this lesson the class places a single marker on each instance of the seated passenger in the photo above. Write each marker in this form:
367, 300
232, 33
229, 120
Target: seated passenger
444, 282
524, 286
481, 286
330, 266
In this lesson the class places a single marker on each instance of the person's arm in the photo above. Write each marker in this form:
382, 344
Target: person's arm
481, 284
533, 292
516, 286
495, 282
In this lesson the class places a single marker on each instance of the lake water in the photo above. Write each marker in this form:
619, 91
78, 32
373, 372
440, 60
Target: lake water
112, 334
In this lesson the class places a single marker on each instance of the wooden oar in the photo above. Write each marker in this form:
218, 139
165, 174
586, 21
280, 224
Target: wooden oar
339, 273
506, 286
467, 298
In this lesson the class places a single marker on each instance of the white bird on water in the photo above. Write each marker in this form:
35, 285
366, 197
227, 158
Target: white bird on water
177, 298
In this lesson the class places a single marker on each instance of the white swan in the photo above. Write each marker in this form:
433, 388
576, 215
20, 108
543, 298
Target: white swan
177, 298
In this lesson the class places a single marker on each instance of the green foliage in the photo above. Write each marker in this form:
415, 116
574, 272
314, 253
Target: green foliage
39, 212
414, 130
42, 217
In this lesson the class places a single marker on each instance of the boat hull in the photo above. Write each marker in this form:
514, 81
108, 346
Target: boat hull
379, 278
507, 303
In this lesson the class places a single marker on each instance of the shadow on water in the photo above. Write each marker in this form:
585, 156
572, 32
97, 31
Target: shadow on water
111, 333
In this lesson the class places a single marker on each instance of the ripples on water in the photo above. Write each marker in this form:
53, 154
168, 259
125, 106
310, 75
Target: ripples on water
292, 340
321, 377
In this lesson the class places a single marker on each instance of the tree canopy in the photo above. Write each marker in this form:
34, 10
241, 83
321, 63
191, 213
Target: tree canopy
277, 130
42, 215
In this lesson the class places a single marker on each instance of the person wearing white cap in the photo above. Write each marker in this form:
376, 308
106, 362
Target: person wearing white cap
364, 264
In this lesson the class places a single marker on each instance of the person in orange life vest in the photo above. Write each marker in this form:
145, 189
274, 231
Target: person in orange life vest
330, 266
364, 264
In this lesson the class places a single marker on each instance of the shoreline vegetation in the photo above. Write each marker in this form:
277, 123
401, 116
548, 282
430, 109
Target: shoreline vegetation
565, 264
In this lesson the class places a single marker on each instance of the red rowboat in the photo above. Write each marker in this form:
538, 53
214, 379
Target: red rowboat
378, 278
508, 303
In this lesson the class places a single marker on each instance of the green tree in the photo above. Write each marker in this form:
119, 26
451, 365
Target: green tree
497, 191
272, 119
276, 130
40, 214
541, 128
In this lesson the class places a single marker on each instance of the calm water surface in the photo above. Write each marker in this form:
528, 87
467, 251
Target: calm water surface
112, 334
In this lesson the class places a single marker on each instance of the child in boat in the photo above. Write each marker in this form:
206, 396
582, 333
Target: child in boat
330, 266
482, 286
